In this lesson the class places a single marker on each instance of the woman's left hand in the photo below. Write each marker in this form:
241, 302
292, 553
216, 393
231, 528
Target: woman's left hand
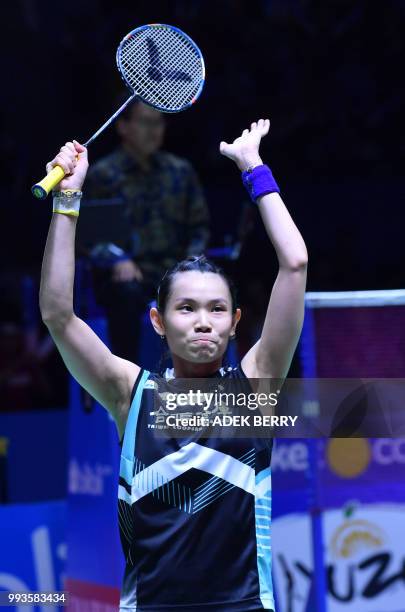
244, 151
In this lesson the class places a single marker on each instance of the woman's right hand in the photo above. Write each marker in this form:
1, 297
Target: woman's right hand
72, 157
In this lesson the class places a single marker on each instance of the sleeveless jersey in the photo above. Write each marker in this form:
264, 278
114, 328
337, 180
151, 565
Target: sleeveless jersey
194, 516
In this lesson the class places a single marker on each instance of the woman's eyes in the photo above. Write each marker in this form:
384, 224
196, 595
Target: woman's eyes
189, 308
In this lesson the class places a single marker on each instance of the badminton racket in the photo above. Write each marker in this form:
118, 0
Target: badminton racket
162, 67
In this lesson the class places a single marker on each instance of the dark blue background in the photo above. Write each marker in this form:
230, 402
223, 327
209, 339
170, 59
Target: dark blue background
327, 74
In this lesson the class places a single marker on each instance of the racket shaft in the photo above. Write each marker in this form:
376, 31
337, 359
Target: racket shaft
41, 190
109, 121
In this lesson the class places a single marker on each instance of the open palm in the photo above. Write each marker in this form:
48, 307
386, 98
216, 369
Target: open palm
244, 150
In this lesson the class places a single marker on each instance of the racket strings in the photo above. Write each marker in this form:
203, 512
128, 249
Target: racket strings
165, 66
162, 66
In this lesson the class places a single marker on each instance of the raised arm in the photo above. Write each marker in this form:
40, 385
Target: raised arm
271, 356
105, 376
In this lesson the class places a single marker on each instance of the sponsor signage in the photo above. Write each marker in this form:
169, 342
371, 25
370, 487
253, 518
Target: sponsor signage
33, 549
364, 559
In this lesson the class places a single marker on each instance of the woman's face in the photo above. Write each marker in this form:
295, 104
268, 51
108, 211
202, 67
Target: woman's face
198, 318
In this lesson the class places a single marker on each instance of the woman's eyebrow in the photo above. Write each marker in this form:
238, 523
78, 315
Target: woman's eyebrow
188, 299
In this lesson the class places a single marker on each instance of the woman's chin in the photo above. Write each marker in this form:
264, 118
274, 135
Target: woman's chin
203, 354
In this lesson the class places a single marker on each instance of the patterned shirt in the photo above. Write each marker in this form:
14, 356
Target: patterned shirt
194, 514
165, 206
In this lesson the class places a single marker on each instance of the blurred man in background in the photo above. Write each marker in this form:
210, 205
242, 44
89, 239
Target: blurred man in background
167, 220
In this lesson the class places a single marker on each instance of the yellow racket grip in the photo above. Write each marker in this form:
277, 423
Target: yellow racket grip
40, 190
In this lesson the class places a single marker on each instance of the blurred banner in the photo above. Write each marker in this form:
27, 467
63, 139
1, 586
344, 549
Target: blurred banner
366, 470
37, 438
33, 548
364, 559
357, 488
95, 561
352, 334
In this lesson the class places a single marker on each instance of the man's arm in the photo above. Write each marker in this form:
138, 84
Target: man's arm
271, 356
106, 377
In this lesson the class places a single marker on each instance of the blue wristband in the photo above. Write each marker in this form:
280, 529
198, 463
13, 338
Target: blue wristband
259, 181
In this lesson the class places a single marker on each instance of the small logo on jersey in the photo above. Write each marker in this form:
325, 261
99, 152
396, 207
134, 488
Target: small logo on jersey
150, 384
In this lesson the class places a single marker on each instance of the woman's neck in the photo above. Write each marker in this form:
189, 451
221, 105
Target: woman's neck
187, 369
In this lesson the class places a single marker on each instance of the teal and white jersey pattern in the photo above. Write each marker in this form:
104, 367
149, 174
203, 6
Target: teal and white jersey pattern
194, 515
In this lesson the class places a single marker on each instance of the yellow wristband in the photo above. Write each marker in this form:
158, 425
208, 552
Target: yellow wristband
67, 202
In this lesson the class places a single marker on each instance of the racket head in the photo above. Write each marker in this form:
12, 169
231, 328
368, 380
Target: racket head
162, 66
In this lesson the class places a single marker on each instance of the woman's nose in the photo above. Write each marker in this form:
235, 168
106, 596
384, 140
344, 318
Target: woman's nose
202, 323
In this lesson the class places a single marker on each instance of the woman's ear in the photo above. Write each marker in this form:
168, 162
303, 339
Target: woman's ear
235, 320
157, 321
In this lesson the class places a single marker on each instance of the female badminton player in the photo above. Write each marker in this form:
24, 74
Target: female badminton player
194, 512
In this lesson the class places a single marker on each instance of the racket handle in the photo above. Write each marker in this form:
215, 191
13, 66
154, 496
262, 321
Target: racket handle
41, 190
